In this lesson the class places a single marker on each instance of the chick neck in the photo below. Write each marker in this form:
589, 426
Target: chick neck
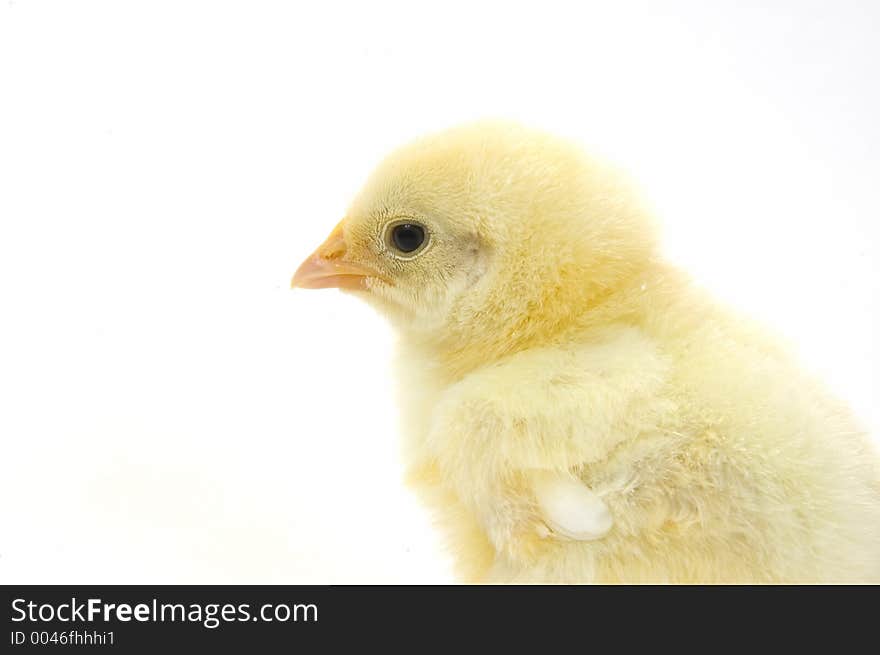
472, 339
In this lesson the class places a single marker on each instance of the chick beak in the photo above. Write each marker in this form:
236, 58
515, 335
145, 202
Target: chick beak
326, 267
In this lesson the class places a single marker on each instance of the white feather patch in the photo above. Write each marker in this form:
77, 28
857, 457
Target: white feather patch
570, 508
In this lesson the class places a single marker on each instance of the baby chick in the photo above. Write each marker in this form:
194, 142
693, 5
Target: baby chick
575, 410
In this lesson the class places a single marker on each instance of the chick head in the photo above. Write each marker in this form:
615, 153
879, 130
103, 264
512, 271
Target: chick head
488, 233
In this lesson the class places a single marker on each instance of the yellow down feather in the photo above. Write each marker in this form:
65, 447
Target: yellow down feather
541, 331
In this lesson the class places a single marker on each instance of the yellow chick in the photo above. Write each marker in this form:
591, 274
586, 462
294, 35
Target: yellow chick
574, 409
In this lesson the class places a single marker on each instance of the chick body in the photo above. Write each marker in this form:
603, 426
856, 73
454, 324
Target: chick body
718, 460
543, 335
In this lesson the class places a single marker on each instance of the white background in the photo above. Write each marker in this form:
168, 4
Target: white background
171, 412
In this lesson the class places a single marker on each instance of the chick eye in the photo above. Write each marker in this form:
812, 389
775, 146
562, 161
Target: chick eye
407, 237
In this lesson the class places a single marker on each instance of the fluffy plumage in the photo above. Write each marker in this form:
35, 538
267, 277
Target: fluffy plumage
542, 338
